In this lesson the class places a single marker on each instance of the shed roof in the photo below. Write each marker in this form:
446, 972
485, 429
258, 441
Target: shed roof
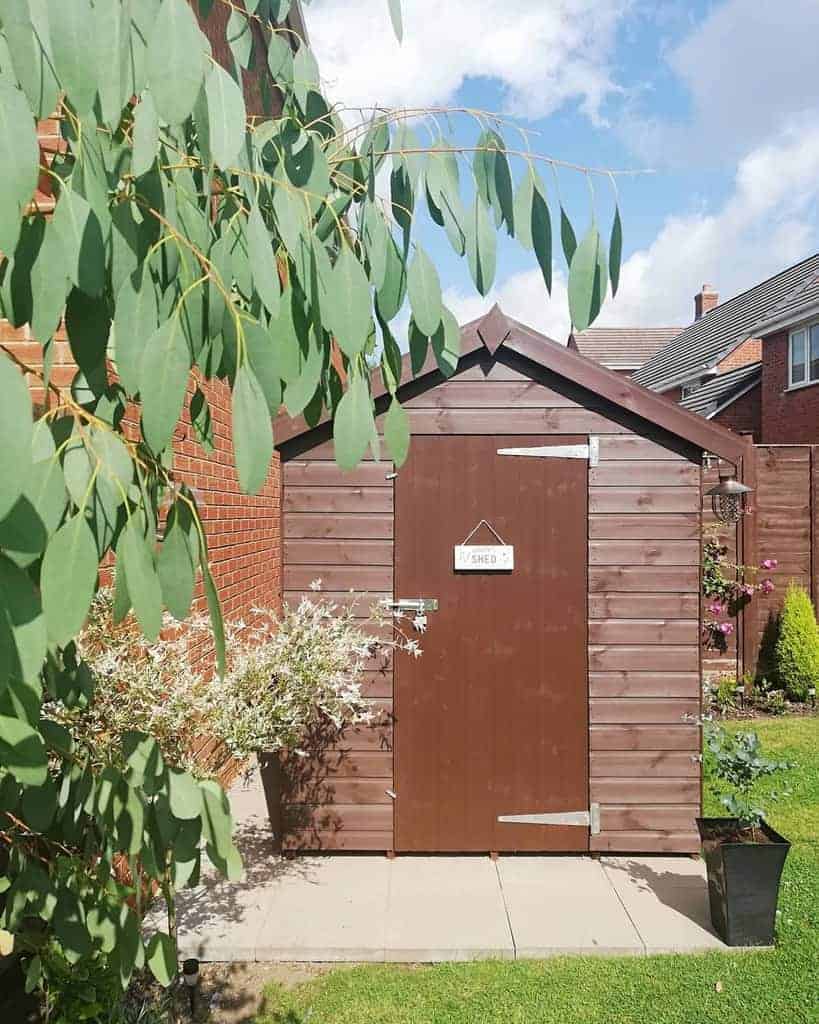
495, 329
722, 390
622, 348
720, 330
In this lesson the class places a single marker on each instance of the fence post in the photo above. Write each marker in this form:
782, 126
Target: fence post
813, 492
748, 554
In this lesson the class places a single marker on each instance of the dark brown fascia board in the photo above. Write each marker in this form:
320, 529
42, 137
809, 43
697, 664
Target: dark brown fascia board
495, 329
647, 404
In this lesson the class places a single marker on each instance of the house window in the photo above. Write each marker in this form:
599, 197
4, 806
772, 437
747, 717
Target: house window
803, 356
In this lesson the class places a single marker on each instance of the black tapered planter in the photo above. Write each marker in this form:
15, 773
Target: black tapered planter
743, 880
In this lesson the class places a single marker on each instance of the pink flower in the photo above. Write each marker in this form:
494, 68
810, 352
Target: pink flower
726, 628
716, 608
767, 586
746, 590
768, 563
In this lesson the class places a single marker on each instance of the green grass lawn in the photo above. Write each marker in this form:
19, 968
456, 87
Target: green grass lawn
780, 986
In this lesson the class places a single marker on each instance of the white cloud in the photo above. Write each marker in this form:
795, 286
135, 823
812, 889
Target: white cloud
543, 54
522, 296
745, 67
766, 223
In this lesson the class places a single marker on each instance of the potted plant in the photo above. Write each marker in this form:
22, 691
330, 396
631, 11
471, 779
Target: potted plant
743, 855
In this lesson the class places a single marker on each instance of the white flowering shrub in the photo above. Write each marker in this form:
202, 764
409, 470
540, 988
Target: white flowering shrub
287, 676
300, 674
152, 688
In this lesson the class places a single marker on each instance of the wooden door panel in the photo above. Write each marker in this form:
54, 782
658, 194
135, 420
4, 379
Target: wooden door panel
493, 717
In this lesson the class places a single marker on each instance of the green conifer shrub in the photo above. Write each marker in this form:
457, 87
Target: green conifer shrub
797, 647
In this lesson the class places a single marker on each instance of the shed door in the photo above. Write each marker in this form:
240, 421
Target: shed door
493, 717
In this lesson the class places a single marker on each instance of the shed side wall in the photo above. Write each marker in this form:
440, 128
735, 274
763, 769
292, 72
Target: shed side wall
643, 645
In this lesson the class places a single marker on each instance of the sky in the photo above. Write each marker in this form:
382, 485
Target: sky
718, 100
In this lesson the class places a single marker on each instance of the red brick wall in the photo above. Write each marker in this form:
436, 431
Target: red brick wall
745, 414
749, 351
788, 417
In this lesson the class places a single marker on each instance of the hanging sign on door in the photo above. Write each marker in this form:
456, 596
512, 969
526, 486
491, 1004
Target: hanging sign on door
484, 557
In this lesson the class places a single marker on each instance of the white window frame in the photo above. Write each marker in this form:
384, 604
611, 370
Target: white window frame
808, 381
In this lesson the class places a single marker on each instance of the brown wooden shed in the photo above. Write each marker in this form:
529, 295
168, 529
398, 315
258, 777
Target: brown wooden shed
566, 684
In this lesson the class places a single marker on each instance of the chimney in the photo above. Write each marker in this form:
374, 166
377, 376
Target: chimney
704, 301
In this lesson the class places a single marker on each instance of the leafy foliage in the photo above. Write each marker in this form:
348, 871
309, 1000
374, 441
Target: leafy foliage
797, 646
188, 244
736, 759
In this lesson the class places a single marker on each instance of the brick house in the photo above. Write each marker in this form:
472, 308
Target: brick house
746, 363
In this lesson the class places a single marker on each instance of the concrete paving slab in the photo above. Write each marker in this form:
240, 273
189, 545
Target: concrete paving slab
335, 909
561, 905
667, 899
445, 908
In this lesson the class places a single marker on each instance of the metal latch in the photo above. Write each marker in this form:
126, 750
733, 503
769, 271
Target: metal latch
413, 604
590, 819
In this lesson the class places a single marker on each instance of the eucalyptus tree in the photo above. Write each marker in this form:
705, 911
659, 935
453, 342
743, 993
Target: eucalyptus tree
191, 243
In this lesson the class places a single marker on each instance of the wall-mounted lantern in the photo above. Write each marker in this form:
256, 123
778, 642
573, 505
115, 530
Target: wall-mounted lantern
728, 498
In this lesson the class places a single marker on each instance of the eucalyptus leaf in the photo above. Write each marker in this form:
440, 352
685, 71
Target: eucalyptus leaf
146, 134
67, 579
615, 251
16, 430
175, 61
353, 425
22, 624
72, 29
584, 280
163, 379
347, 308
226, 115
19, 161
481, 246
252, 431
143, 582
424, 290
397, 432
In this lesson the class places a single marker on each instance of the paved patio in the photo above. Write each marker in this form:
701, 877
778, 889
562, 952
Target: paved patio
369, 908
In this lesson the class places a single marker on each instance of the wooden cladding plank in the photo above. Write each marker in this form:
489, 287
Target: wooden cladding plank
342, 527
341, 578
325, 452
644, 552
511, 421
633, 473
644, 684
365, 764
459, 394
644, 631
644, 579
326, 551
299, 473
377, 683
643, 526
645, 791
335, 817
641, 764
646, 842
629, 446
365, 737
659, 817
331, 791
316, 840
644, 737
338, 499
641, 711
644, 499
645, 657
644, 606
